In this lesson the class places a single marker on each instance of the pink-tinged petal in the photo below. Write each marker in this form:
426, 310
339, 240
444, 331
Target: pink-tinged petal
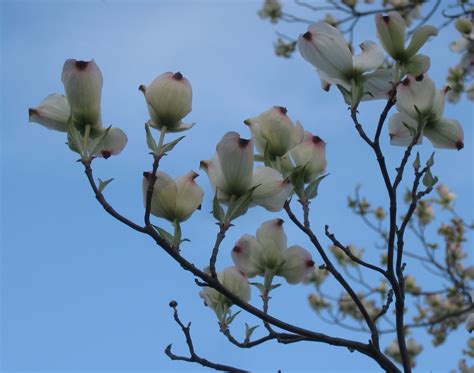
113, 144
53, 113
416, 91
445, 134
169, 99
272, 190
419, 38
236, 159
325, 48
189, 196
246, 255
377, 84
391, 33
399, 134
83, 85
417, 65
371, 58
297, 264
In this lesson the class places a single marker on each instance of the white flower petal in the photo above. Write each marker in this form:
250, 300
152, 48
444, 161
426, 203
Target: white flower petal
272, 190
246, 255
325, 48
83, 85
297, 264
236, 160
273, 239
213, 170
459, 45
377, 85
445, 134
370, 59
189, 196
399, 134
419, 92
419, 38
164, 195
391, 33
417, 65
53, 113
113, 143
312, 154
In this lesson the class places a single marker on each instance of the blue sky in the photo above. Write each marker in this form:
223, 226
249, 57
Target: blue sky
80, 292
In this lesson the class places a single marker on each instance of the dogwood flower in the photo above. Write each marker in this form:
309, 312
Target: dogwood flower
231, 174
275, 132
311, 154
173, 200
419, 103
391, 31
267, 253
326, 49
81, 107
169, 100
234, 281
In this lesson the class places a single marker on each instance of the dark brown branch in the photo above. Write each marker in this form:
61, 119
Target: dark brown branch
193, 357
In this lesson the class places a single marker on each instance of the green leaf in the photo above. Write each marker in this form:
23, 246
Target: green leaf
275, 286
267, 156
240, 205
311, 190
232, 317
430, 161
259, 286
96, 144
217, 210
297, 179
258, 158
416, 163
103, 184
428, 180
150, 141
168, 237
169, 146
249, 331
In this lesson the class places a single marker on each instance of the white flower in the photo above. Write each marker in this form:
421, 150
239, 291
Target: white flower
268, 253
275, 132
83, 85
173, 200
234, 281
326, 49
391, 31
231, 174
419, 102
311, 153
169, 100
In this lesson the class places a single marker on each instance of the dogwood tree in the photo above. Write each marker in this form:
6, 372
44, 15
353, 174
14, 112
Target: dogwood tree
279, 167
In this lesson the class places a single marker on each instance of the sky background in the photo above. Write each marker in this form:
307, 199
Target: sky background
81, 292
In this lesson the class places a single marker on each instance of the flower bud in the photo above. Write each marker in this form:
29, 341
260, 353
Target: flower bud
445, 195
173, 201
275, 132
169, 100
311, 153
464, 26
230, 170
83, 85
318, 303
234, 281
53, 113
